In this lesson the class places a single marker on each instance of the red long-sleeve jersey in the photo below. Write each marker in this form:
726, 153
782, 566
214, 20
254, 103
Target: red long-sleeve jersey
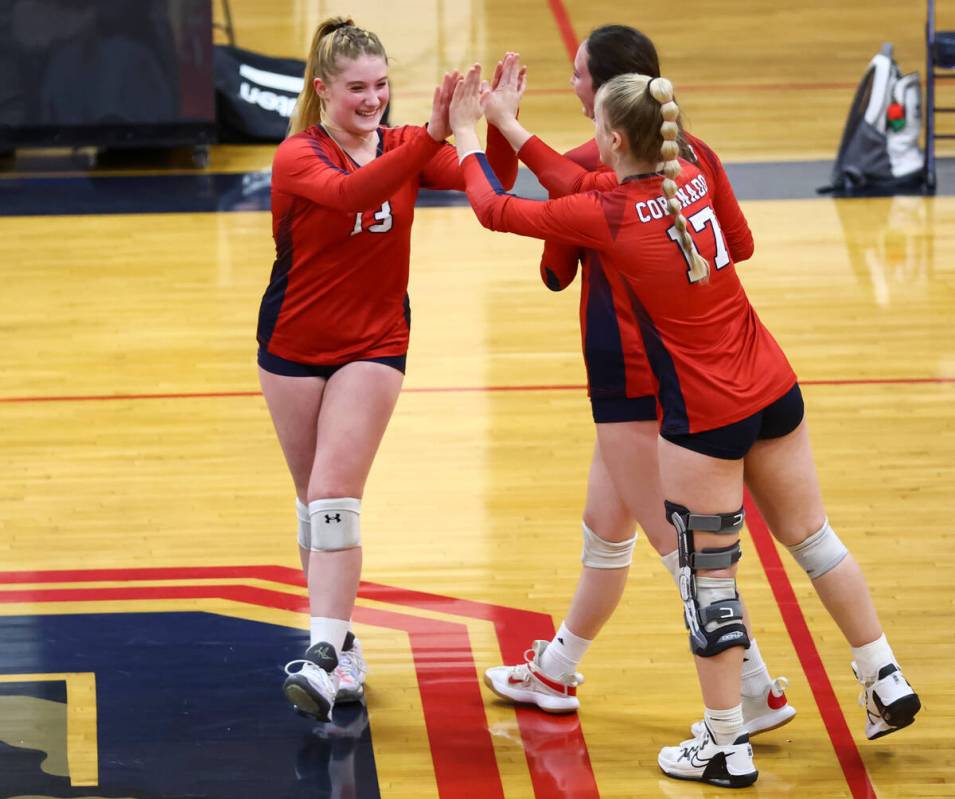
338, 288
610, 337
713, 362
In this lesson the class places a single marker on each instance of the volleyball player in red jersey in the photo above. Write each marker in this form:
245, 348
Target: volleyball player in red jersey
623, 484
334, 321
728, 402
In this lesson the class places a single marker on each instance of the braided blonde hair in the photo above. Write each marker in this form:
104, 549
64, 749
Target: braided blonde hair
336, 37
643, 109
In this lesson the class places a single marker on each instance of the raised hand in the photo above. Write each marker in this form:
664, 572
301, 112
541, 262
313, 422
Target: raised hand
510, 80
499, 72
439, 127
466, 102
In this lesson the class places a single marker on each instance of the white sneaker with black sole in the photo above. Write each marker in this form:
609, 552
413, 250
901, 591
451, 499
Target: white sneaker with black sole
701, 759
351, 671
763, 712
889, 701
313, 686
526, 683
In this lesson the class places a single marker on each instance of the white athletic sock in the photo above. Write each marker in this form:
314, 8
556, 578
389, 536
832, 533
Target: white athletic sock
331, 631
755, 674
873, 656
726, 725
563, 653
671, 563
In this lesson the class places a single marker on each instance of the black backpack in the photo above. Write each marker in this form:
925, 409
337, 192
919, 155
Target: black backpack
255, 94
879, 152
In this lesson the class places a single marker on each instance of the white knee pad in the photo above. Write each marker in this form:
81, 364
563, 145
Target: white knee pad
820, 553
334, 524
599, 553
304, 524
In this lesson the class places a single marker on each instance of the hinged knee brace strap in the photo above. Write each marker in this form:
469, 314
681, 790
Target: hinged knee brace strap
335, 524
711, 607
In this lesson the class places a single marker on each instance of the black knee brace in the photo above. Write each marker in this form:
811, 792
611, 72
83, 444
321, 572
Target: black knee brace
711, 608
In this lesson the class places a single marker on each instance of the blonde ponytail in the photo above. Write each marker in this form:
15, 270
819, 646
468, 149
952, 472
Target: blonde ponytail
662, 91
334, 38
654, 132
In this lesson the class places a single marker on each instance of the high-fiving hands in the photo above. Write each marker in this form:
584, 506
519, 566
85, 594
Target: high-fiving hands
466, 102
472, 98
459, 102
466, 110
439, 127
510, 80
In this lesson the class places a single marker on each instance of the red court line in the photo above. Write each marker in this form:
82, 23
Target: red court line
228, 394
711, 88
877, 381
108, 397
555, 749
863, 381
562, 18
461, 746
493, 389
541, 90
277, 574
567, 35
842, 741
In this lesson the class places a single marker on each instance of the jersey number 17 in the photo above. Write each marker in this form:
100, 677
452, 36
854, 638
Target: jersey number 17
698, 221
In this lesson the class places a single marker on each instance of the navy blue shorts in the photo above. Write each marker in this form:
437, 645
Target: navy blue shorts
280, 366
733, 441
624, 409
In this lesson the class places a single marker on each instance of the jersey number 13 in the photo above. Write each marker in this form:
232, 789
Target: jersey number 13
383, 215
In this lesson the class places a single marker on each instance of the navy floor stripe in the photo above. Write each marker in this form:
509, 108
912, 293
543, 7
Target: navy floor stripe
25, 195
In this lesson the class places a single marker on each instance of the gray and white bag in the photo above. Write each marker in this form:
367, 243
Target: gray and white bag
880, 151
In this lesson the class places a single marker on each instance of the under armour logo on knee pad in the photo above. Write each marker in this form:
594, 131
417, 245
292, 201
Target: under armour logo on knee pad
329, 518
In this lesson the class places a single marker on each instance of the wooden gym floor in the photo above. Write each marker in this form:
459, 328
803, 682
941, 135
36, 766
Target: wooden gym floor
149, 591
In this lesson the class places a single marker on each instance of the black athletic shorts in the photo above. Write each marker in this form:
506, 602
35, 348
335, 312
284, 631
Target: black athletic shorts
624, 409
281, 366
733, 441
